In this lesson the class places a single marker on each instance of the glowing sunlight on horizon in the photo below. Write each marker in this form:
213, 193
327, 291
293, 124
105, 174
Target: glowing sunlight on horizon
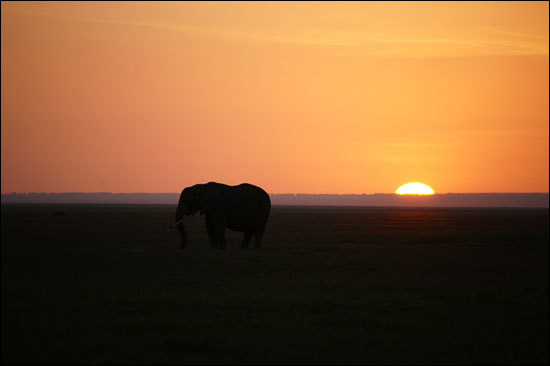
415, 188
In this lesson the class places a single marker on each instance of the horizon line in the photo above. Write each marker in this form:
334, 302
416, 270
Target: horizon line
288, 193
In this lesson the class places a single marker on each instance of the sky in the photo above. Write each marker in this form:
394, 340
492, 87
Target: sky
296, 97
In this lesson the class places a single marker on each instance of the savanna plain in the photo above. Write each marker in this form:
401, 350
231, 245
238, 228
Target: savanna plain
108, 284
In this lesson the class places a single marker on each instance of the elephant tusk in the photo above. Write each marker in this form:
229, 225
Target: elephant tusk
174, 225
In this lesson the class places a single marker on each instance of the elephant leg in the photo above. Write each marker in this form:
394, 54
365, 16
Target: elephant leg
210, 229
246, 240
258, 237
183, 235
219, 228
220, 236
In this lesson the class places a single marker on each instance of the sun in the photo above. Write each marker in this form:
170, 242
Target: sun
414, 188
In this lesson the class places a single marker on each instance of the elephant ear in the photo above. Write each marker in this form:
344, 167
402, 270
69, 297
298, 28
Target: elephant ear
210, 197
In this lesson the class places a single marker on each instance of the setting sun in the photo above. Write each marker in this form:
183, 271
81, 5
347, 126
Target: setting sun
414, 188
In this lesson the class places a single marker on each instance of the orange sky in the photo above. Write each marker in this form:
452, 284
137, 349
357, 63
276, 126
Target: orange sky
357, 97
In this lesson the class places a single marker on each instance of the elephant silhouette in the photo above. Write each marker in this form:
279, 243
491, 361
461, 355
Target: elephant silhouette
244, 207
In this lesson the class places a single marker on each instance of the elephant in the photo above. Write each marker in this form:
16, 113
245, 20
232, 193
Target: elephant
244, 207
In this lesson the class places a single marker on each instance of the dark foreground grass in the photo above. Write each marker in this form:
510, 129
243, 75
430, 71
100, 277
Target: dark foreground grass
107, 284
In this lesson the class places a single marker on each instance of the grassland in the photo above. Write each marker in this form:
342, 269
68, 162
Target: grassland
107, 284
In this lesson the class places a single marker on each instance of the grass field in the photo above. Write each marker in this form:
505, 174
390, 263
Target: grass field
107, 284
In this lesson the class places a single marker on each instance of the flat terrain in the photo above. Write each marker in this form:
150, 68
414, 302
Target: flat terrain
108, 284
